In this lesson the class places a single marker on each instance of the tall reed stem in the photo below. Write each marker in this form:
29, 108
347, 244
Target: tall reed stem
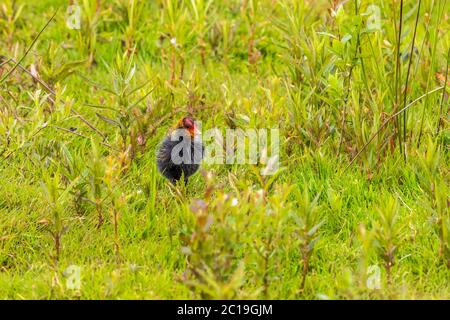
443, 94
405, 94
398, 73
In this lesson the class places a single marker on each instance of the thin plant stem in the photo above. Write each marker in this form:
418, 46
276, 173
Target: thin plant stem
398, 71
349, 82
443, 95
430, 71
388, 120
405, 94
29, 48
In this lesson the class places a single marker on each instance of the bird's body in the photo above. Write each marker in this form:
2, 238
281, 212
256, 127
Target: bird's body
181, 152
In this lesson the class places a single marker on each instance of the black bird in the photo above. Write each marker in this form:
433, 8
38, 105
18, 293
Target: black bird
181, 152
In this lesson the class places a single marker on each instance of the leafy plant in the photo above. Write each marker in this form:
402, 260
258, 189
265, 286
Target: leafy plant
388, 233
96, 169
308, 224
10, 16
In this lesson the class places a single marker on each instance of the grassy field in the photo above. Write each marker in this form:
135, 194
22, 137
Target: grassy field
359, 208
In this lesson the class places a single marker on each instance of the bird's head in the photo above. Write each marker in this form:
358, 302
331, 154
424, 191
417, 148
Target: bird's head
188, 123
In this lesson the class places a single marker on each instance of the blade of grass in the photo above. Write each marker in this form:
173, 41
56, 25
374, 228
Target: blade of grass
398, 74
443, 94
53, 93
29, 48
430, 70
349, 82
388, 120
405, 93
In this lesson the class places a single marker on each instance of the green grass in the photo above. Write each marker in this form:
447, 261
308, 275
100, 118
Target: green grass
315, 230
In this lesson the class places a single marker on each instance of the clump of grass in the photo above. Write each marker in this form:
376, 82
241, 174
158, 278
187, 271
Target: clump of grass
55, 195
128, 118
440, 205
213, 264
201, 11
96, 169
88, 34
113, 170
405, 91
388, 234
271, 225
444, 94
10, 16
131, 11
51, 190
308, 223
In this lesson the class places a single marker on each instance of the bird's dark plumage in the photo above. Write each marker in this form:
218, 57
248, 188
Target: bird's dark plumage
181, 152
